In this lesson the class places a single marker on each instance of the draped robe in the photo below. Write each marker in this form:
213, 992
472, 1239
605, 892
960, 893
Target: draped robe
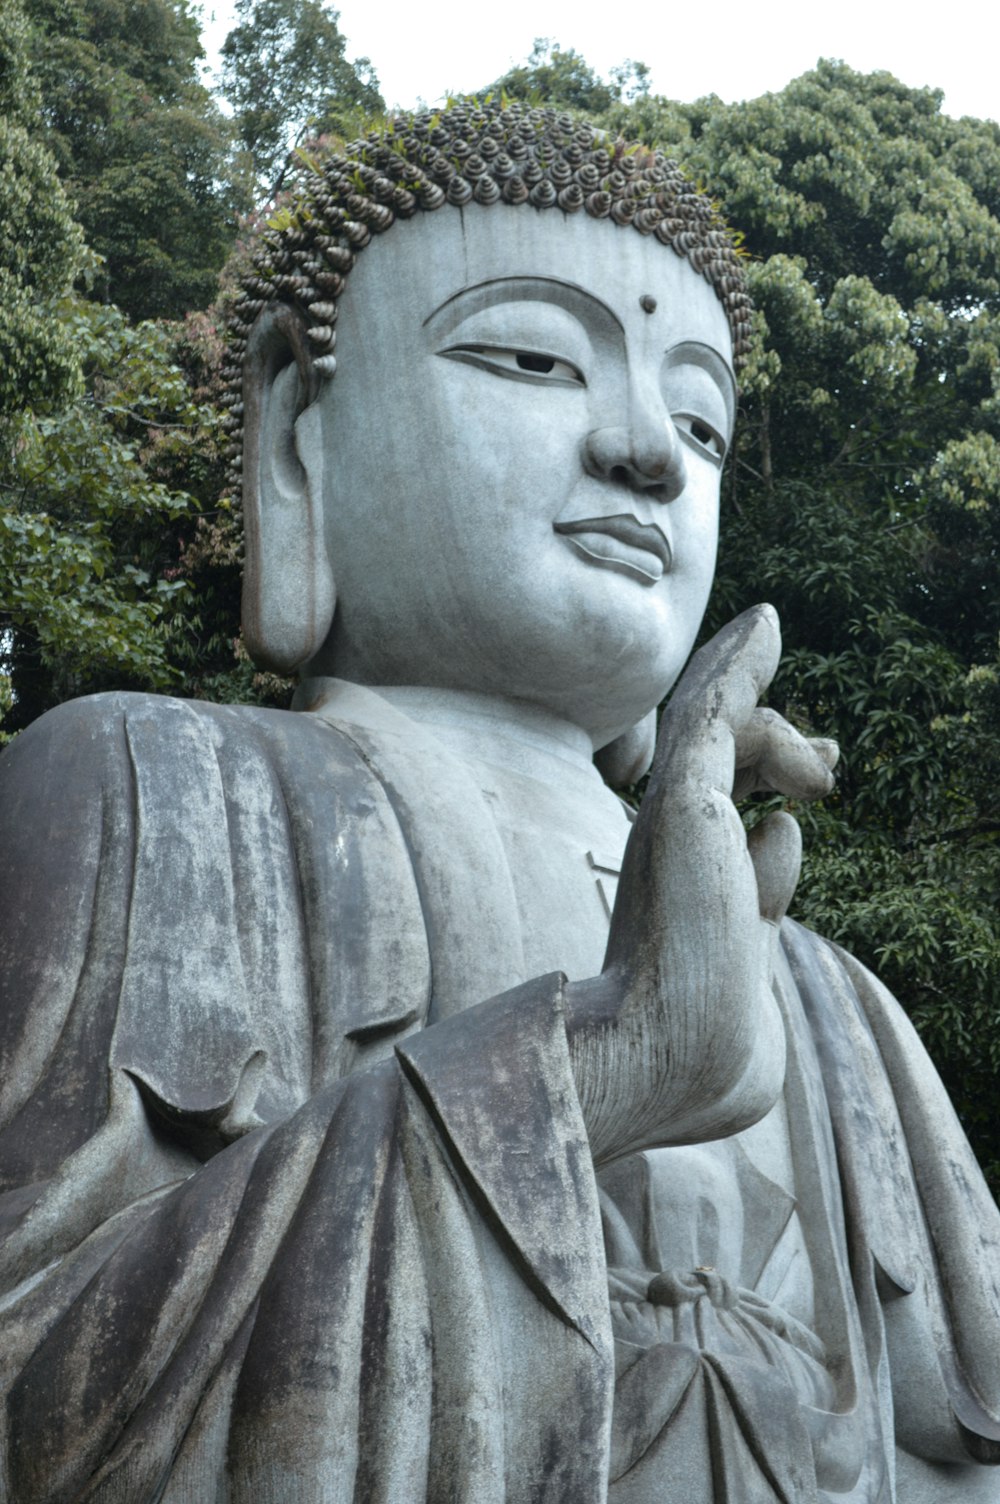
289, 1212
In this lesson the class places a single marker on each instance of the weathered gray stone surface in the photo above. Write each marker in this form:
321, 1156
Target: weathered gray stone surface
384, 1117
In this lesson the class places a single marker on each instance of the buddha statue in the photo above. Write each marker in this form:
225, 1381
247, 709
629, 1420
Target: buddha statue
389, 1112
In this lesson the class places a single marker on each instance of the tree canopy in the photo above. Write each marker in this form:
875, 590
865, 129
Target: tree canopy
142, 148
559, 76
103, 438
285, 72
87, 560
40, 245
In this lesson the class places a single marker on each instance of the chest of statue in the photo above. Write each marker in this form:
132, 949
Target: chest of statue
711, 1230
728, 1206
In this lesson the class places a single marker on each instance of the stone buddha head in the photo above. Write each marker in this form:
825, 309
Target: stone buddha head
483, 452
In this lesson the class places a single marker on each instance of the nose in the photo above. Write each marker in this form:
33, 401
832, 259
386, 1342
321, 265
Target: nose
645, 454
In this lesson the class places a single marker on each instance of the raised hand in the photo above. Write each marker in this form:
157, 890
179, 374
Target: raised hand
679, 1039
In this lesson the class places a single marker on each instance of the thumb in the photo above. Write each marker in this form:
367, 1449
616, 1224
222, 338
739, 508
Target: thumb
775, 847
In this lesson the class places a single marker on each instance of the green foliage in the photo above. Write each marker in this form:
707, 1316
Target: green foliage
40, 246
91, 592
118, 566
285, 73
555, 75
141, 147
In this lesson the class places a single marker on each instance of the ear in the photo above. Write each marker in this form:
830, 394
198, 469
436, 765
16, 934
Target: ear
288, 588
630, 755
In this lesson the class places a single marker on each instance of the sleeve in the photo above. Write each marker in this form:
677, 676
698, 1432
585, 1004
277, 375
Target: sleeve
320, 1289
923, 1227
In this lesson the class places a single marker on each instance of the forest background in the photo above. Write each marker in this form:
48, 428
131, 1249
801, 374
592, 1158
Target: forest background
862, 496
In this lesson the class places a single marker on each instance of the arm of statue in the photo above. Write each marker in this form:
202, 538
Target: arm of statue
679, 1039
245, 1309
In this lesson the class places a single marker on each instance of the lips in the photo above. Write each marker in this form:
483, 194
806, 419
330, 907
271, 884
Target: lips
639, 549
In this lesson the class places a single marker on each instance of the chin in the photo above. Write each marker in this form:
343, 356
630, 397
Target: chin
608, 701
603, 671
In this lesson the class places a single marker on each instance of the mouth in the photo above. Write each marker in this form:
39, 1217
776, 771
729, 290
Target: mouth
622, 543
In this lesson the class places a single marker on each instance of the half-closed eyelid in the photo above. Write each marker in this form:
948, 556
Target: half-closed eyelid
693, 367
703, 435
518, 363
696, 389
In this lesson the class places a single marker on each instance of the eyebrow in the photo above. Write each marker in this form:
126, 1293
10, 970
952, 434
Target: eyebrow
696, 352
497, 289
523, 288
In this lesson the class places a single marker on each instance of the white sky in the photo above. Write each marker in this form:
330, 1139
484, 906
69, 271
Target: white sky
727, 47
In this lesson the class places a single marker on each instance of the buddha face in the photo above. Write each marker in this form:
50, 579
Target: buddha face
522, 455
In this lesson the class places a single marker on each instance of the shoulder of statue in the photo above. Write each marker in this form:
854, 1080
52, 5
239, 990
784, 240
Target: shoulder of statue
91, 735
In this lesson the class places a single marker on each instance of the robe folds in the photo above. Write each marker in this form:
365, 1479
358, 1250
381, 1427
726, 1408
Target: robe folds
296, 1204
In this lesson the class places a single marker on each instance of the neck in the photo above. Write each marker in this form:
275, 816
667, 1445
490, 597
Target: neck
491, 728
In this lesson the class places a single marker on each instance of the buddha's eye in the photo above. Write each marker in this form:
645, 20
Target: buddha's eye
543, 364
701, 435
520, 365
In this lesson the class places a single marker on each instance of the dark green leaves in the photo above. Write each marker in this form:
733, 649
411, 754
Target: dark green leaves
285, 73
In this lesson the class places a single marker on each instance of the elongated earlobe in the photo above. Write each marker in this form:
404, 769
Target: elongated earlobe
288, 587
629, 756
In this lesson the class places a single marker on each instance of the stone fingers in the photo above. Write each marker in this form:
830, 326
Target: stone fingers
775, 847
714, 700
772, 757
687, 854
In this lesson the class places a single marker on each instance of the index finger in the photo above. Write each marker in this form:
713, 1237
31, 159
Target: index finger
714, 700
